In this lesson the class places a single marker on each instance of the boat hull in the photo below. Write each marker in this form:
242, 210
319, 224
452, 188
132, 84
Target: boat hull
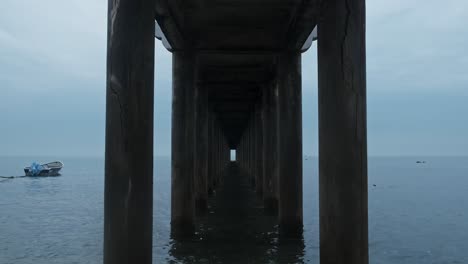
43, 173
47, 170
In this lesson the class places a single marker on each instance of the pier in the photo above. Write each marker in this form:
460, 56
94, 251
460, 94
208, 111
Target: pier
237, 77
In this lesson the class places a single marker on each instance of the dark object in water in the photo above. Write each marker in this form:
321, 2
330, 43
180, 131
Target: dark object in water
419, 161
47, 169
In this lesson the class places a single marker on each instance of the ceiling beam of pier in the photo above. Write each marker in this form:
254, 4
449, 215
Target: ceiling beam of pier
236, 25
235, 42
234, 85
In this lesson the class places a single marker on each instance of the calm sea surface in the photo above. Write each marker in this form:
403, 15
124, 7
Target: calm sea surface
418, 213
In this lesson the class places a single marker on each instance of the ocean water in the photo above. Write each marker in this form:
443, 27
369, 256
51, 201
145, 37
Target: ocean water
418, 213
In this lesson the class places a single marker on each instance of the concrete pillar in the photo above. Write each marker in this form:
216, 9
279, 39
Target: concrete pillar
248, 150
238, 149
290, 143
242, 151
219, 154
270, 179
182, 196
342, 133
201, 149
252, 152
213, 149
223, 153
220, 151
128, 191
239, 152
210, 153
275, 135
216, 154
259, 149
245, 147
226, 151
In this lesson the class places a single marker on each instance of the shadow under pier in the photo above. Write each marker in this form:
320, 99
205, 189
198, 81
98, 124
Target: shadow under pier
236, 229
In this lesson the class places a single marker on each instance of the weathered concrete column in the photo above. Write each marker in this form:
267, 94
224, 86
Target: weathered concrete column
128, 194
240, 151
201, 149
210, 153
290, 143
259, 149
270, 179
342, 133
227, 152
219, 154
252, 152
222, 150
275, 135
248, 149
182, 196
216, 154
244, 148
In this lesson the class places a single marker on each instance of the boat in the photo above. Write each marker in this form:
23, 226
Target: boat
47, 169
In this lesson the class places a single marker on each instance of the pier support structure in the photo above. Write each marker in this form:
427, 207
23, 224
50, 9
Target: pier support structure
183, 141
128, 194
342, 133
236, 87
270, 145
201, 149
259, 158
211, 154
290, 144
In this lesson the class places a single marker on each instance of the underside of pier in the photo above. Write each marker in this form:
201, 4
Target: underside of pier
237, 77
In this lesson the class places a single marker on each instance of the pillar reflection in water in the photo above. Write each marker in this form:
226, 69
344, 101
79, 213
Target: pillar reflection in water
236, 229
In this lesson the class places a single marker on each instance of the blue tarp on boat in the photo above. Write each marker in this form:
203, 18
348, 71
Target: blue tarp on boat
36, 168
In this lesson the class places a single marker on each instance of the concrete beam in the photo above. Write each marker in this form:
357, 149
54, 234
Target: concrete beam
128, 192
302, 25
247, 26
169, 25
342, 133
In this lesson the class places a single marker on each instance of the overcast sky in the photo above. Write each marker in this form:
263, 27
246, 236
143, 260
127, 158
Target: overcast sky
52, 79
